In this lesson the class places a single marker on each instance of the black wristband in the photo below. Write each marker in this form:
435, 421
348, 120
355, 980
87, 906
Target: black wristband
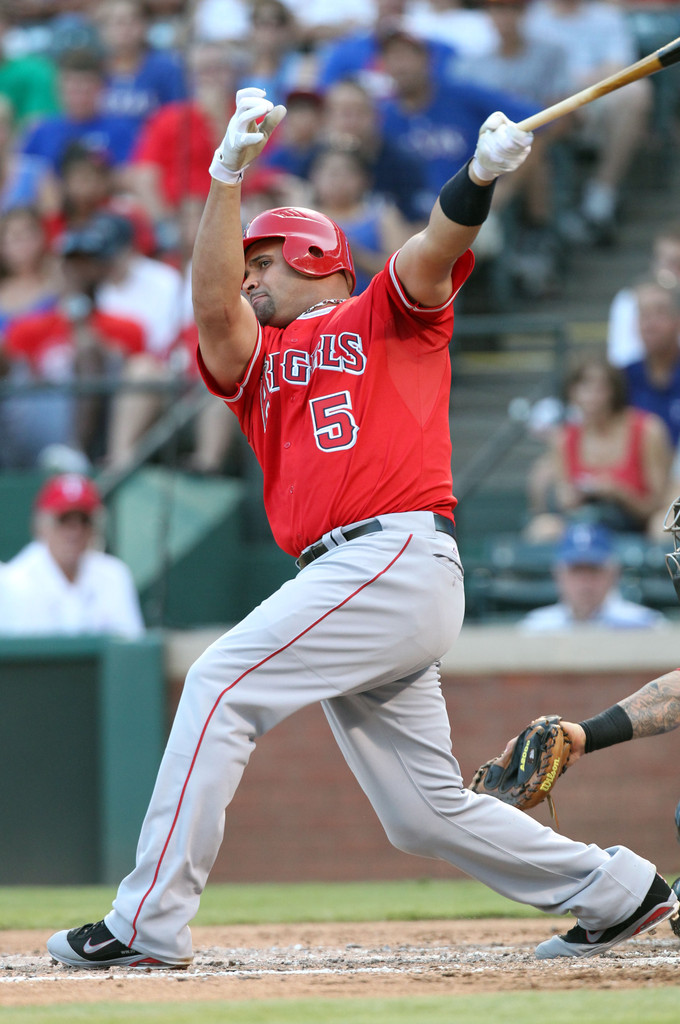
609, 727
464, 202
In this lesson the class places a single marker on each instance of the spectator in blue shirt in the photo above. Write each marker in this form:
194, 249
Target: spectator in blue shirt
24, 180
351, 117
139, 79
587, 571
298, 141
359, 54
81, 84
432, 119
273, 58
654, 380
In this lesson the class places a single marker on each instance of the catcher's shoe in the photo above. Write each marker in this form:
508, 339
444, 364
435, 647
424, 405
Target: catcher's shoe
659, 904
93, 945
675, 921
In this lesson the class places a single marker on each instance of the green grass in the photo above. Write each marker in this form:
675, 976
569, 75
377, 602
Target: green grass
224, 904
659, 1006
65, 906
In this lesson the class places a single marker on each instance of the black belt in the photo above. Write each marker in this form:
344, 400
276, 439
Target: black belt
441, 524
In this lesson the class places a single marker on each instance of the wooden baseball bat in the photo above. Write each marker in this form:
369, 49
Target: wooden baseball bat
661, 58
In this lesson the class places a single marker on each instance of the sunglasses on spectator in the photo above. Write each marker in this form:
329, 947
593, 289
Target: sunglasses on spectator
82, 518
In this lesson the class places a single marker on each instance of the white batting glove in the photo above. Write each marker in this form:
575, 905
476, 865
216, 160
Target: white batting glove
501, 147
245, 137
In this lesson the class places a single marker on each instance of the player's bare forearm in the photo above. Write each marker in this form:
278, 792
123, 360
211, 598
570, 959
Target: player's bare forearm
227, 328
226, 323
217, 265
655, 708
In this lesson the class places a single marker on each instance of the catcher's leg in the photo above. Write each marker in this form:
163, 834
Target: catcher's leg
396, 739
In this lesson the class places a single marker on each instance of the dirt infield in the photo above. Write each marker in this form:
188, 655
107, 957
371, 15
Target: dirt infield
327, 961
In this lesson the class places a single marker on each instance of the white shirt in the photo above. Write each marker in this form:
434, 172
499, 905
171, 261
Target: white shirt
221, 19
232, 19
624, 344
592, 34
468, 32
322, 13
37, 598
614, 613
151, 294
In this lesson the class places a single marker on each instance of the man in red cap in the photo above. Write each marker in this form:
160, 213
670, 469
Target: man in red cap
59, 582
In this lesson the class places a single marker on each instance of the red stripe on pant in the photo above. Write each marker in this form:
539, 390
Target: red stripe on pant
264, 661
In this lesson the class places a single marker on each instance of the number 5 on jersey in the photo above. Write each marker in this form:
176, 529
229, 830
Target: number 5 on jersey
334, 425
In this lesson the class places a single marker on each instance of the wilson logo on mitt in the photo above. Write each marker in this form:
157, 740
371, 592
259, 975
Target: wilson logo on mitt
537, 760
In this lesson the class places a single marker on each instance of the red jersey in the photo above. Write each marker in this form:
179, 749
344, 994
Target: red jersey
180, 140
347, 410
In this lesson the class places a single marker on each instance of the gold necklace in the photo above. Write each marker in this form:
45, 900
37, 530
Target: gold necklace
324, 302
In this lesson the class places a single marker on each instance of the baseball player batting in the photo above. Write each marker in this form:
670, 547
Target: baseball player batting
345, 401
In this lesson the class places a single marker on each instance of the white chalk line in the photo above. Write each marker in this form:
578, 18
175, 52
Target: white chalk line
496, 962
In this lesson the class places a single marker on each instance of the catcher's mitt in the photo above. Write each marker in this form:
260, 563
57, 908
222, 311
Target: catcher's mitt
537, 761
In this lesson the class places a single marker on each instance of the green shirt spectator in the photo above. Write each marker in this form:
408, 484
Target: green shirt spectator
29, 83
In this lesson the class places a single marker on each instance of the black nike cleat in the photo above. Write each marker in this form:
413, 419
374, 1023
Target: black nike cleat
660, 903
675, 921
93, 945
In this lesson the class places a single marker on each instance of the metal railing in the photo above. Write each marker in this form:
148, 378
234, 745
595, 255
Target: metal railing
513, 426
184, 401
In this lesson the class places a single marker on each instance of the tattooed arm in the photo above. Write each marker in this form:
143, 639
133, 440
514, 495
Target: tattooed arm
651, 710
656, 707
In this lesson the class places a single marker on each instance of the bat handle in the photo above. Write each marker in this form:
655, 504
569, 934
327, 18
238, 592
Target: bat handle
529, 124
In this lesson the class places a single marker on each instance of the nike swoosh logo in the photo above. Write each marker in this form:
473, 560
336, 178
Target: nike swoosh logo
593, 936
89, 948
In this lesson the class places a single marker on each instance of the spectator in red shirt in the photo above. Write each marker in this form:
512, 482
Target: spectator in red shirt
176, 144
215, 426
72, 342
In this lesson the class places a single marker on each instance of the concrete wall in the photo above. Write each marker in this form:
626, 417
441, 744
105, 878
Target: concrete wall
300, 815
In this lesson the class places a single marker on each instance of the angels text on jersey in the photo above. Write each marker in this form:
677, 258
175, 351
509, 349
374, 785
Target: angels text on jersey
333, 424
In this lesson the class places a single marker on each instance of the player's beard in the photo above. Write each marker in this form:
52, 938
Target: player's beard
265, 310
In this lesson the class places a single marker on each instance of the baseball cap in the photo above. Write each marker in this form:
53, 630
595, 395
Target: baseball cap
585, 544
68, 492
259, 181
302, 95
104, 236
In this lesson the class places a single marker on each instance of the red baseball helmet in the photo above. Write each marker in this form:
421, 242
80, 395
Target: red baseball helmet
313, 244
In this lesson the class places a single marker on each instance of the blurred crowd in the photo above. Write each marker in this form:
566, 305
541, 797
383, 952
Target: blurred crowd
612, 439
109, 116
